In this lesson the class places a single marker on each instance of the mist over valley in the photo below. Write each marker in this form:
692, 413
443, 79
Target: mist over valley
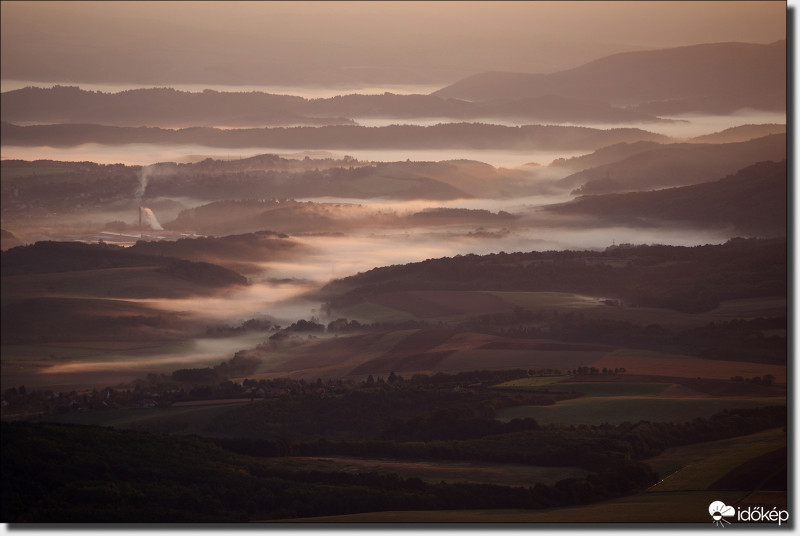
501, 262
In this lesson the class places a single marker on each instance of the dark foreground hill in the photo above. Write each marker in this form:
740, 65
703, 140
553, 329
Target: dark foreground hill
59, 257
751, 202
713, 78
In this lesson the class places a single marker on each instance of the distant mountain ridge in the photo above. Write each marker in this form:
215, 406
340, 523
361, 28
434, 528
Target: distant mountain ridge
717, 77
466, 135
166, 107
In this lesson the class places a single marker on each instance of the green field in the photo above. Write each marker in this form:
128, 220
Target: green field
589, 389
612, 389
533, 381
618, 409
695, 467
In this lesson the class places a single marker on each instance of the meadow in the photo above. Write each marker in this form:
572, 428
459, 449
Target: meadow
619, 409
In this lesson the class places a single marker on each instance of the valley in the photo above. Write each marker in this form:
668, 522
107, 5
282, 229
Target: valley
245, 294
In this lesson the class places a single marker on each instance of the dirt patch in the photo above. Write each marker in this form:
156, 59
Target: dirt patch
404, 363
545, 346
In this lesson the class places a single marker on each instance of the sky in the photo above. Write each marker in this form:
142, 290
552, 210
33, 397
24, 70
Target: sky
328, 43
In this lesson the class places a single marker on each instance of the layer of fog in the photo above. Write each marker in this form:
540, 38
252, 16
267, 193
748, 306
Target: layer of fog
683, 126
197, 353
142, 154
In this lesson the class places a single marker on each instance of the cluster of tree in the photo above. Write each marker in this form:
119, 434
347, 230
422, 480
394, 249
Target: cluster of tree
248, 326
237, 366
767, 379
690, 279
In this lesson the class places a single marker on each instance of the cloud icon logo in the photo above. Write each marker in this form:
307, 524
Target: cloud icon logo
719, 510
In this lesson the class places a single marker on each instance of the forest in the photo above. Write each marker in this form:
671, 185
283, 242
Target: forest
690, 279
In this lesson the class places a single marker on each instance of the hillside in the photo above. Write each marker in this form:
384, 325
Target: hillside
751, 202
713, 78
464, 135
672, 277
236, 252
677, 164
740, 133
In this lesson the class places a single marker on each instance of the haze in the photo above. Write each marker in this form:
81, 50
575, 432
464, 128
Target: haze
350, 44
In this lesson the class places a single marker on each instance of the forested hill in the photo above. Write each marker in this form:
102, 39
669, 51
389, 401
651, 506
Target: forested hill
752, 202
691, 279
54, 257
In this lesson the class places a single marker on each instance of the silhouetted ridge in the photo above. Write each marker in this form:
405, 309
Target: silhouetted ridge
717, 77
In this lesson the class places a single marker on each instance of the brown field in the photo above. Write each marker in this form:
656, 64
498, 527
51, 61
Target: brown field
477, 359
656, 364
422, 351
442, 303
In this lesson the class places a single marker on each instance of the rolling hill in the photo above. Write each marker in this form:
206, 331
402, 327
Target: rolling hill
718, 78
677, 164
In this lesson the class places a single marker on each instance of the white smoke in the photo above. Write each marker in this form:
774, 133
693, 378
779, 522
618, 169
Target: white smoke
144, 177
149, 220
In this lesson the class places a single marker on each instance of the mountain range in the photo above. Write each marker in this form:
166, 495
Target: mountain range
711, 78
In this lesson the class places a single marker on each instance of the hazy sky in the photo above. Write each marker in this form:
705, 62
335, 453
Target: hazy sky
293, 42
